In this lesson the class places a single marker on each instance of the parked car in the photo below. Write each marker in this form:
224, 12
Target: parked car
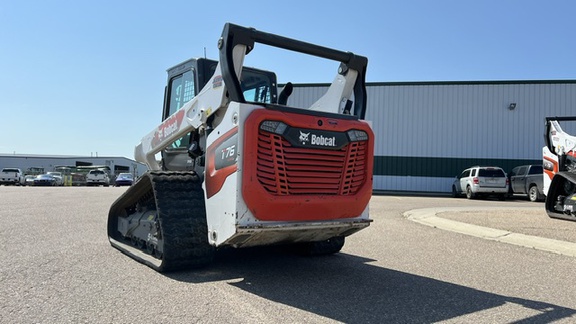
527, 180
29, 180
124, 179
97, 178
12, 176
481, 181
45, 180
58, 177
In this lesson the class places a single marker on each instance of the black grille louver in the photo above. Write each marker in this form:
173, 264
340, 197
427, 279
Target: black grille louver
283, 169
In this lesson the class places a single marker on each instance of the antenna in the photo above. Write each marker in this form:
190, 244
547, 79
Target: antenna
204, 51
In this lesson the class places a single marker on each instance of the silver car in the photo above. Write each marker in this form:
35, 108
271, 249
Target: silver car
481, 181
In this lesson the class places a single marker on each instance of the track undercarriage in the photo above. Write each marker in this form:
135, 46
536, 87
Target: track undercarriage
161, 221
561, 198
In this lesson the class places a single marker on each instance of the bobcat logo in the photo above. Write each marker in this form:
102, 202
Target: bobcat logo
304, 137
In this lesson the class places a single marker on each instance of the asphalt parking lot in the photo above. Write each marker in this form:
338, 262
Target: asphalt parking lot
58, 267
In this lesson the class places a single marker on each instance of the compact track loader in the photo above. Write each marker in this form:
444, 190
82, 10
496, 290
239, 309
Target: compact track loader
232, 165
559, 163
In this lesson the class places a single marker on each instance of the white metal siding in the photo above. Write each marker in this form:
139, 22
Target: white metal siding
466, 120
456, 120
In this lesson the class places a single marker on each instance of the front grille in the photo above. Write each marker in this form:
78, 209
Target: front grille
283, 169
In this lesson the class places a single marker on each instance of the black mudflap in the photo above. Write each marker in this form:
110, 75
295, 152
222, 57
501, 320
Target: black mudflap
178, 199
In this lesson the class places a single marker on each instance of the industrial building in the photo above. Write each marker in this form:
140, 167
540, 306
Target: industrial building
30, 163
428, 132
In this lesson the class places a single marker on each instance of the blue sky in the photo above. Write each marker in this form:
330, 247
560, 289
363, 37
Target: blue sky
87, 77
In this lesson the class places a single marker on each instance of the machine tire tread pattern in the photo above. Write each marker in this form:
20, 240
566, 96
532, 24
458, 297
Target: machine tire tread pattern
182, 213
179, 202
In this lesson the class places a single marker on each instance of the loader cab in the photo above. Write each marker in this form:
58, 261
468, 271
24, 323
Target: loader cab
186, 79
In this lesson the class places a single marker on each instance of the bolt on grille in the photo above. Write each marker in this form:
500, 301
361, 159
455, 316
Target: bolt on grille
283, 169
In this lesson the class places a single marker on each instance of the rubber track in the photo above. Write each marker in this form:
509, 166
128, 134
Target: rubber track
182, 212
556, 189
180, 204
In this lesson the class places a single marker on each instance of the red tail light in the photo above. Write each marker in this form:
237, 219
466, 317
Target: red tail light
475, 180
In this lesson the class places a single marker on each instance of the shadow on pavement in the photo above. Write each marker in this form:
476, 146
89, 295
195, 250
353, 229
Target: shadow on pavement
349, 289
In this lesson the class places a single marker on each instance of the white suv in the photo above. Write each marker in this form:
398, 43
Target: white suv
97, 178
481, 181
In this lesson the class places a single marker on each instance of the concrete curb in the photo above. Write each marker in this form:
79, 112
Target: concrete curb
427, 216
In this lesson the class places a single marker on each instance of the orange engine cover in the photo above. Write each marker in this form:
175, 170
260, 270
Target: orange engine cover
299, 167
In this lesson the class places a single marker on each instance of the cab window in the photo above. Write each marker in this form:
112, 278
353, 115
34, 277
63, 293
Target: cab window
256, 86
181, 91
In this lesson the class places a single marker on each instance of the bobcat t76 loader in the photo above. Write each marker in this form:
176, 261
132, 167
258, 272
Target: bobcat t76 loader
232, 165
559, 163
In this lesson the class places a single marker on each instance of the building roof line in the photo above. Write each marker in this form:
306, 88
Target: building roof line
418, 83
6, 155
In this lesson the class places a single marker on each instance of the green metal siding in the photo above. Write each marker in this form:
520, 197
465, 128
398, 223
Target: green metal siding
438, 167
